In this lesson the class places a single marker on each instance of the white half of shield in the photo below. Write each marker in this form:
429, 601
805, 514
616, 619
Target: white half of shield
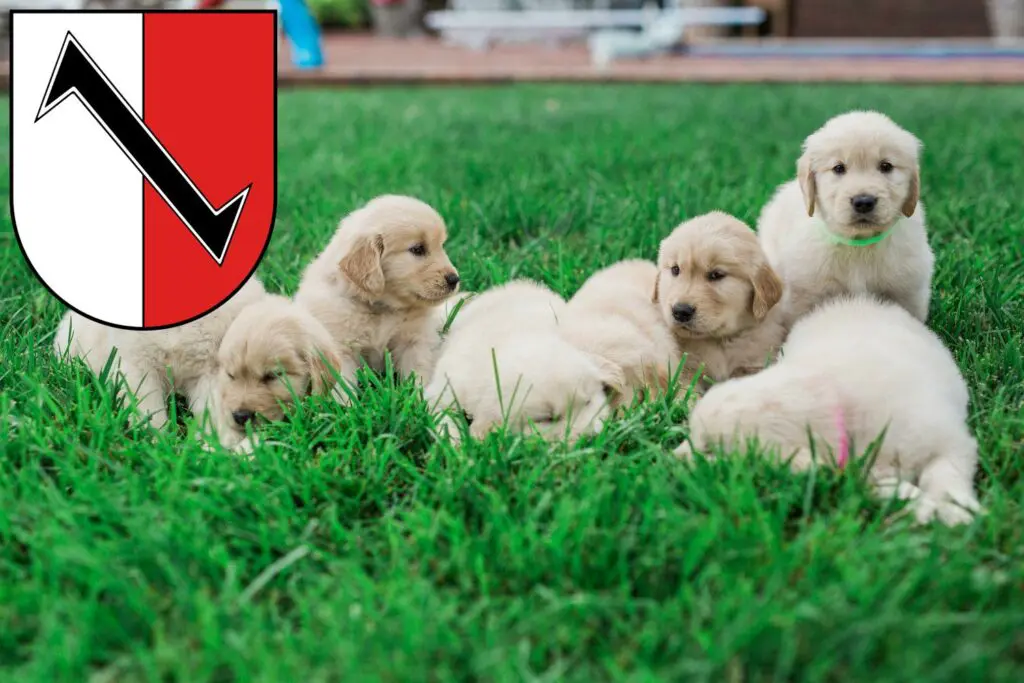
77, 200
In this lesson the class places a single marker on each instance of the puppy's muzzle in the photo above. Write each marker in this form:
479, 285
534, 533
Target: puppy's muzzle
242, 417
864, 203
452, 280
683, 313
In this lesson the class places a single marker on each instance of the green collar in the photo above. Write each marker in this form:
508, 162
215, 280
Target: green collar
851, 241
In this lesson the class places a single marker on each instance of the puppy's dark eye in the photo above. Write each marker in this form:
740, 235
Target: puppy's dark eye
418, 250
885, 167
270, 377
716, 275
675, 271
839, 169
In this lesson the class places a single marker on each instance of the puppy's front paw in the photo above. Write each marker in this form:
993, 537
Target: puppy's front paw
684, 451
927, 510
417, 360
952, 514
246, 446
339, 394
449, 430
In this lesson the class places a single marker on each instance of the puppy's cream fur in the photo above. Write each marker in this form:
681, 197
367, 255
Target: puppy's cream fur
858, 153
715, 264
274, 351
157, 363
376, 285
543, 381
79, 337
612, 316
885, 371
442, 312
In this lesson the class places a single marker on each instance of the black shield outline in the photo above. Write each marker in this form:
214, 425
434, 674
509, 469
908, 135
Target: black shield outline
10, 102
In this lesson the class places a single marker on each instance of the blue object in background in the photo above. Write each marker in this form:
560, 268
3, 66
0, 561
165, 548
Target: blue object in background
303, 34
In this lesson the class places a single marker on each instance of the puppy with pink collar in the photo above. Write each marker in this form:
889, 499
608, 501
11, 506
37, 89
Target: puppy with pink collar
855, 372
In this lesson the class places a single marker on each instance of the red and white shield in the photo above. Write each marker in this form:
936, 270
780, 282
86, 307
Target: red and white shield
143, 157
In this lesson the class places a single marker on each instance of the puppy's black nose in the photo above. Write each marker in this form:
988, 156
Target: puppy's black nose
452, 279
683, 312
242, 416
864, 203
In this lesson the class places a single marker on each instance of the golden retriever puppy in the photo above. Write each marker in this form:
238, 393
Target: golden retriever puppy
855, 369
718, 295
275, 351
158, 363
612, 316
504, 360
852, 221
376, 285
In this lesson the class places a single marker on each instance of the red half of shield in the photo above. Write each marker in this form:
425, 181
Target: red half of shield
210, 98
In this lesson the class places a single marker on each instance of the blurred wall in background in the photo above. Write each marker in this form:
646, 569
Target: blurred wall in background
889, 19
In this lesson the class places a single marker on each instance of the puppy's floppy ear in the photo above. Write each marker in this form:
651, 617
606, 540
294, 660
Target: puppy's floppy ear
362, 264
805, 175
767, 290
325, 363
913, 194
657, 281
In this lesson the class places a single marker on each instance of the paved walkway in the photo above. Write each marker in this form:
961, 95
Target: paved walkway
364, 59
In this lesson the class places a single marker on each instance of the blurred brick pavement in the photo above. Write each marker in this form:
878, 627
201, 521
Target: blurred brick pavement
363, 59
354, 59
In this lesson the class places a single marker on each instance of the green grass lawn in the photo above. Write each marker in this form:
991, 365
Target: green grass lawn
355, 548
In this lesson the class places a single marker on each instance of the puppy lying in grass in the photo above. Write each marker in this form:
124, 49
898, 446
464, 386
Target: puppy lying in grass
855, 370
613, 317
859, 226
505, 360
274, 352
158, 363
377, 283
718, 295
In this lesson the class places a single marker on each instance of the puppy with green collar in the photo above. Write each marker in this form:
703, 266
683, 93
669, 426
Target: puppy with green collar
852, 221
